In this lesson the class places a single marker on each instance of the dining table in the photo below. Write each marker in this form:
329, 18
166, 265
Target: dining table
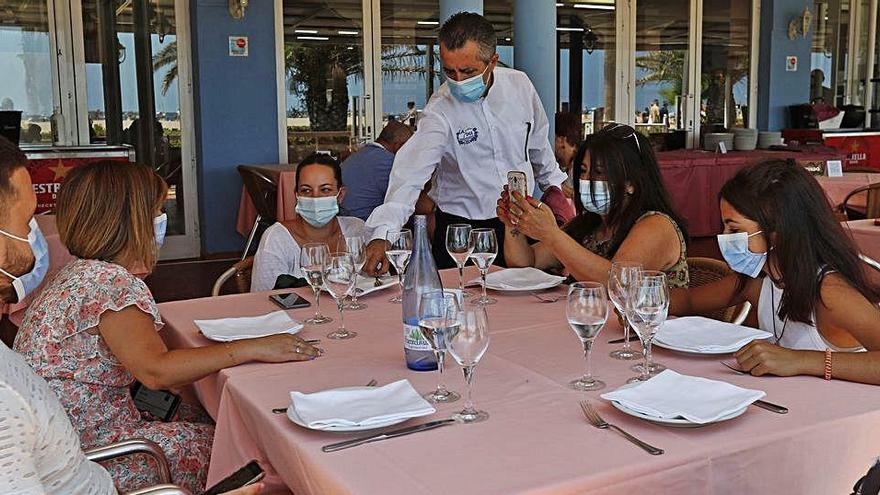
536, 440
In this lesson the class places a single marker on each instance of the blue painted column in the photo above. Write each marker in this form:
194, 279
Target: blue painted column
449, 7
534, 48
236, 106
778, 88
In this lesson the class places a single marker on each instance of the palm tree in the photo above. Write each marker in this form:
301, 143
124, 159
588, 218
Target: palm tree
166, 57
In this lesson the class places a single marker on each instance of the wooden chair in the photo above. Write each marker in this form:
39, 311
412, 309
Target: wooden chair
872, 209
241, 271
707, 270
263, 191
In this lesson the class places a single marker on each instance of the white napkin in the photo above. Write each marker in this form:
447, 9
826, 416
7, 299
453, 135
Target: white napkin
520, 279
250, 327
366, 284
360, 406
698, 400
707, 335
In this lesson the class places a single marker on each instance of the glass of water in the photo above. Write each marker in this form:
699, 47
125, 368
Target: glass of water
339, 278
482, 250
311, 263
622, 276
356, 248
438, 322
650, 306
457, 243
467, 348
399, 252
587, 311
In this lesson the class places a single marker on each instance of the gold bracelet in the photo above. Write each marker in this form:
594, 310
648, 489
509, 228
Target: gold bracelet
828, 364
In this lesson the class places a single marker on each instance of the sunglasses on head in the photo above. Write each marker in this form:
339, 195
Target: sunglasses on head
622, 131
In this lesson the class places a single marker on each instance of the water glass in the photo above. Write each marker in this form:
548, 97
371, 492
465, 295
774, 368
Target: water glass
311, 262
339, 278
621, 278
438, 322
467, 348
399, 251
356, 248
650, 306
587, 311
482, 250
457, 245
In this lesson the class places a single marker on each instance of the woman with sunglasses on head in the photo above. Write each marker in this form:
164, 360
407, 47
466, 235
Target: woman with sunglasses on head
319, 192
796, 264
624, 214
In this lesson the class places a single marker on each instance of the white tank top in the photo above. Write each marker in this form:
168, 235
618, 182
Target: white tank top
791, 334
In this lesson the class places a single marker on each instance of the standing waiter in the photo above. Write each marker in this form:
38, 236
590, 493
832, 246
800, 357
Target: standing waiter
483, 122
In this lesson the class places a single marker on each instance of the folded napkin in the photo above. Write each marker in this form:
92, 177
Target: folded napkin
250, 327
520, 279
671, 395
366, 284
707, 335
360, 406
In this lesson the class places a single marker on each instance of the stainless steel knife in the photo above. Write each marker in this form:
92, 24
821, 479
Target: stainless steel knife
763, 404
333, 447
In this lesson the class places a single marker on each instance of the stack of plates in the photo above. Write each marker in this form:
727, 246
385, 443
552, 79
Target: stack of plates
767, 139
711, 140
745, 139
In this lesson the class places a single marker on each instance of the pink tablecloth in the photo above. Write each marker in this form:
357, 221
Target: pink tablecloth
837, 188
866, 235
536, 440
285, 177
58, 257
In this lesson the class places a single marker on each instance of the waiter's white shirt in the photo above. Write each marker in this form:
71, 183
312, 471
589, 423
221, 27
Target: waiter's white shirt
471, 146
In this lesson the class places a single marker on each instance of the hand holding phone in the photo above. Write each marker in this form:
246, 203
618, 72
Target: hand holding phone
516, 181
247, 475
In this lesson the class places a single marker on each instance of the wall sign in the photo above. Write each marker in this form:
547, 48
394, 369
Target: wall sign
238, 46
790, 63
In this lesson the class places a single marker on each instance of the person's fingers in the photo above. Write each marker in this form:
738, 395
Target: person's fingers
760, 369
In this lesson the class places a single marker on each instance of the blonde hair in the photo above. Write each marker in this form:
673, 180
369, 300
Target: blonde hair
105, 211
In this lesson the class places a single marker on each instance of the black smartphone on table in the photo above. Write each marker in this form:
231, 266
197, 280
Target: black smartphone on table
162, 404
290, 301
247, 475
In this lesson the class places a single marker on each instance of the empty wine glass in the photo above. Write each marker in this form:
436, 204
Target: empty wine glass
398, 253
311, 262
650, 306
438, 322
482, 250
587, 311
621, 278
355, 247
457, 244
467, 348
339, 277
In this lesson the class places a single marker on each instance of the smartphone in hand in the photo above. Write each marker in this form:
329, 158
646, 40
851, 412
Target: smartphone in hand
247, 475
516, 181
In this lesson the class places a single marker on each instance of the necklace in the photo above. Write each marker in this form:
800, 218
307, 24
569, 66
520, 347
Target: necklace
773, 308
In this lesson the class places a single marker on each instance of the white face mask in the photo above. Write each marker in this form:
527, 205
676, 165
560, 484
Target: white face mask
735, 250
596, 199
25, 284
317, 212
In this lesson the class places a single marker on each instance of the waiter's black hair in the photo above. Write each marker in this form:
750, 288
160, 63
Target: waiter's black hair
468, 26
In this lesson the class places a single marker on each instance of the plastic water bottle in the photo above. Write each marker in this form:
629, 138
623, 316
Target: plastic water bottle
421, 276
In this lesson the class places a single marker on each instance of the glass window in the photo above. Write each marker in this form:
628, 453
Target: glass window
26, 69
725, 59
823, 61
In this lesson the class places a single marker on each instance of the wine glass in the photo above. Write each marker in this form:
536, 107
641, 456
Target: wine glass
457, 244
311, 263
438, 322
621, 278
650, 305
339, 278
356, 248
398, 253
482, 250
467, 347
587, 311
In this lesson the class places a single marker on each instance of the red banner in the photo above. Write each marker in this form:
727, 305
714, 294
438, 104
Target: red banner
861, 151
48, 174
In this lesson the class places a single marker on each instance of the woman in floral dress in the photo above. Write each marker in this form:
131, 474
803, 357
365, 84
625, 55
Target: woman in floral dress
93, 330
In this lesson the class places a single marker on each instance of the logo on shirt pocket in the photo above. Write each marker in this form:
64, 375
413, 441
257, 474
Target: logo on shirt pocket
467, 136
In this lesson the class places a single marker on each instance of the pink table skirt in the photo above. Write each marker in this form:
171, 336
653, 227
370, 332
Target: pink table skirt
536, 440
837, 188
285, 176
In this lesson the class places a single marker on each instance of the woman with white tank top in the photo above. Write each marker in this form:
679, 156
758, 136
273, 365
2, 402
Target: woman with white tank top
794, 263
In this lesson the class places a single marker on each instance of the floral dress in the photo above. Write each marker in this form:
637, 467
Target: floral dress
93, 385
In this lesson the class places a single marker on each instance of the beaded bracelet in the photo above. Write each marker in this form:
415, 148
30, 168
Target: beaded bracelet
827, 363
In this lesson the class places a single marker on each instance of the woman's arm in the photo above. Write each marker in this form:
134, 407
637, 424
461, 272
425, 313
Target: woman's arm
131, 336
517, 251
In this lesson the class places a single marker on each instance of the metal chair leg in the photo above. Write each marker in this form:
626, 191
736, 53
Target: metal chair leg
131, 447
247, 246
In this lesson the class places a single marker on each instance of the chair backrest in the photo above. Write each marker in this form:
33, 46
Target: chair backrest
704, 271
241, 272
872, 205
262, 190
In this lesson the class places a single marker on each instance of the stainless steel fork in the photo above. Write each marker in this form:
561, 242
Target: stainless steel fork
597, 421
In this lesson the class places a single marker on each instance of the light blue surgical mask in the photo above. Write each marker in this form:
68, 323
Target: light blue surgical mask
27, 283
160, 223
735, 250
317, 212
599, 199
469, 90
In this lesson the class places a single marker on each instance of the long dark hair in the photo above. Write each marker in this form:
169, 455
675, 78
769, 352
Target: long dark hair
785, 200
628, 160
321, 159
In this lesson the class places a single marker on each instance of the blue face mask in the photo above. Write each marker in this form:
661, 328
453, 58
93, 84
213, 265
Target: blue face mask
25, 284
317, 212
599, 201
160, 223
469, 90
735, 250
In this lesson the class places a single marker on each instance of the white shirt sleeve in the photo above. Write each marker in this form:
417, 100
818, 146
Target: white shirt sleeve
413, 166
547, 171
20, 474
277, 254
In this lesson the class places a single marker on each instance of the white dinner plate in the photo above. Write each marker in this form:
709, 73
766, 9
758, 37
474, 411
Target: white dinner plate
675, 422
548, 285
294, 417
366, 284
690, 351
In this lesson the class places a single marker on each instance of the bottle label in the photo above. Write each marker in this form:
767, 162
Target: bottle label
413, 339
